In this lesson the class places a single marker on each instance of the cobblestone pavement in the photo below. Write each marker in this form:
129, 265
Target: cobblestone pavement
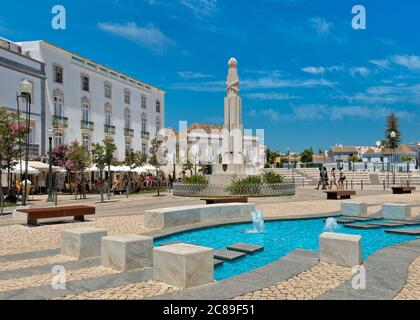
133, 291
45, 279
27, 263
411, 290
18, 239
305, 286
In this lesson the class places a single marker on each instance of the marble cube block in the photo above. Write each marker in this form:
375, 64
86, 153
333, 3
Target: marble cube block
340, 249
82, 243
127, 252
396, 211
183, 265
354, 209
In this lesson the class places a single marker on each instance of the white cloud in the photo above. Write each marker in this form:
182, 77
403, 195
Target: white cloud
186, 75
201, 7
270, 96
363, 71
322, 26
411, 62
274, 82
384, 63
148, 36
314, 70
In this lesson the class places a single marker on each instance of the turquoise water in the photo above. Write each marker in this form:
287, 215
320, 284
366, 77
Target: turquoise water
279, 239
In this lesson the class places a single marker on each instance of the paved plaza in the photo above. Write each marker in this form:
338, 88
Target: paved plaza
27, 254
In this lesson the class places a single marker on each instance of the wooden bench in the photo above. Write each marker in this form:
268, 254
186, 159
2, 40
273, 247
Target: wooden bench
225, 200
401, 190
78, 212
339, 194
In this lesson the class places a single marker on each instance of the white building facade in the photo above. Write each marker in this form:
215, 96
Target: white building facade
15, 67
86, 101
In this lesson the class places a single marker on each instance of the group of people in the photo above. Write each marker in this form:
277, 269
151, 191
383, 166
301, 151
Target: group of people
327, 182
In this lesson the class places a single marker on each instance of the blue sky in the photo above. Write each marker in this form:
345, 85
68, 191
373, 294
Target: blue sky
307, 77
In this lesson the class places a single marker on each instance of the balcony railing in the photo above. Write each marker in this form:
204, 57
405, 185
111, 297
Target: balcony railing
109, 129
59, 121
129, 132
145, 135
87, 125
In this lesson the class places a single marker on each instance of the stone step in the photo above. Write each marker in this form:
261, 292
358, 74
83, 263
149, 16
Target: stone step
387, 224
412, 232
217, 262
228, 255
174, 242
408, 222
246, 248
362, 226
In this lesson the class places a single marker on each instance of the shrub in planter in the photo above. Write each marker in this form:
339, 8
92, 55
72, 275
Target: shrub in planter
248, 186
196, 179
272, 178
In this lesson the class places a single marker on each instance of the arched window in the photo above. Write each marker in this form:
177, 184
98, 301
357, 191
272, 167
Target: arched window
143, 123
127, 96
58, 106
58, 139
127, 118
108, 114
108, 90
158, 124
86, 142
84, 82
85, 111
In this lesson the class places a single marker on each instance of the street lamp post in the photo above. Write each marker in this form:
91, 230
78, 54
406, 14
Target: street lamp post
288, 158
174, 172
393, 135
26, 93
50, 174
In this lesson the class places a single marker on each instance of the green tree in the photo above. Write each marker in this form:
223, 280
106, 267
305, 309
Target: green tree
188, 165
407, 158
80, 161
110, 149
133, 159
392, 124
307, 156
10, 145
158, 158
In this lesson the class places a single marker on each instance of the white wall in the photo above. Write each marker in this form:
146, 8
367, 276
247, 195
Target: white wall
73, 95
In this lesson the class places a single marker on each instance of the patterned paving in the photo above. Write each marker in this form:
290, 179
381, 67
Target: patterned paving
133, 291
411, 290
307, 285
27, 263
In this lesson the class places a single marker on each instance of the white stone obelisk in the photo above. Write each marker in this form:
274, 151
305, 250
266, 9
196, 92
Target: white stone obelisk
233, 128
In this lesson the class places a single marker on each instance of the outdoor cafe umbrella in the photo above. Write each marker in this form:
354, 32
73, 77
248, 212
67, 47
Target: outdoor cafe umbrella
139, 170
17, 169
148, 167
122, 169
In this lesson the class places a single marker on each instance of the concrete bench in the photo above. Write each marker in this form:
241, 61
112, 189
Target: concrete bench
339, 194
127, 252
82, 243
31, 216
403, 190
354, 209
340, 249
395, 211
178, 216
225, 200
183, 265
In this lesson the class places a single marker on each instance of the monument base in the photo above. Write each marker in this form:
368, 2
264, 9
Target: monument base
225, 174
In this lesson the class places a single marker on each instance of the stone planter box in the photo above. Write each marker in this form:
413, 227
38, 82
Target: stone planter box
183, 265
127, 252
396, 211
82, 243
354, 209
340, 249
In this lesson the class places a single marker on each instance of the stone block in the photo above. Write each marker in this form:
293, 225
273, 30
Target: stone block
340, 249
127, 252
82, 243
354, 209
183, 265
178, 216
394, 211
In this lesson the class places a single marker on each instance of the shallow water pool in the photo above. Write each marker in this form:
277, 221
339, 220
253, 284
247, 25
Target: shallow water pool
280, 238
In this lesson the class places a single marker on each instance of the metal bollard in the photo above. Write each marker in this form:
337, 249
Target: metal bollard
361, 184
384, 184
351, 184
